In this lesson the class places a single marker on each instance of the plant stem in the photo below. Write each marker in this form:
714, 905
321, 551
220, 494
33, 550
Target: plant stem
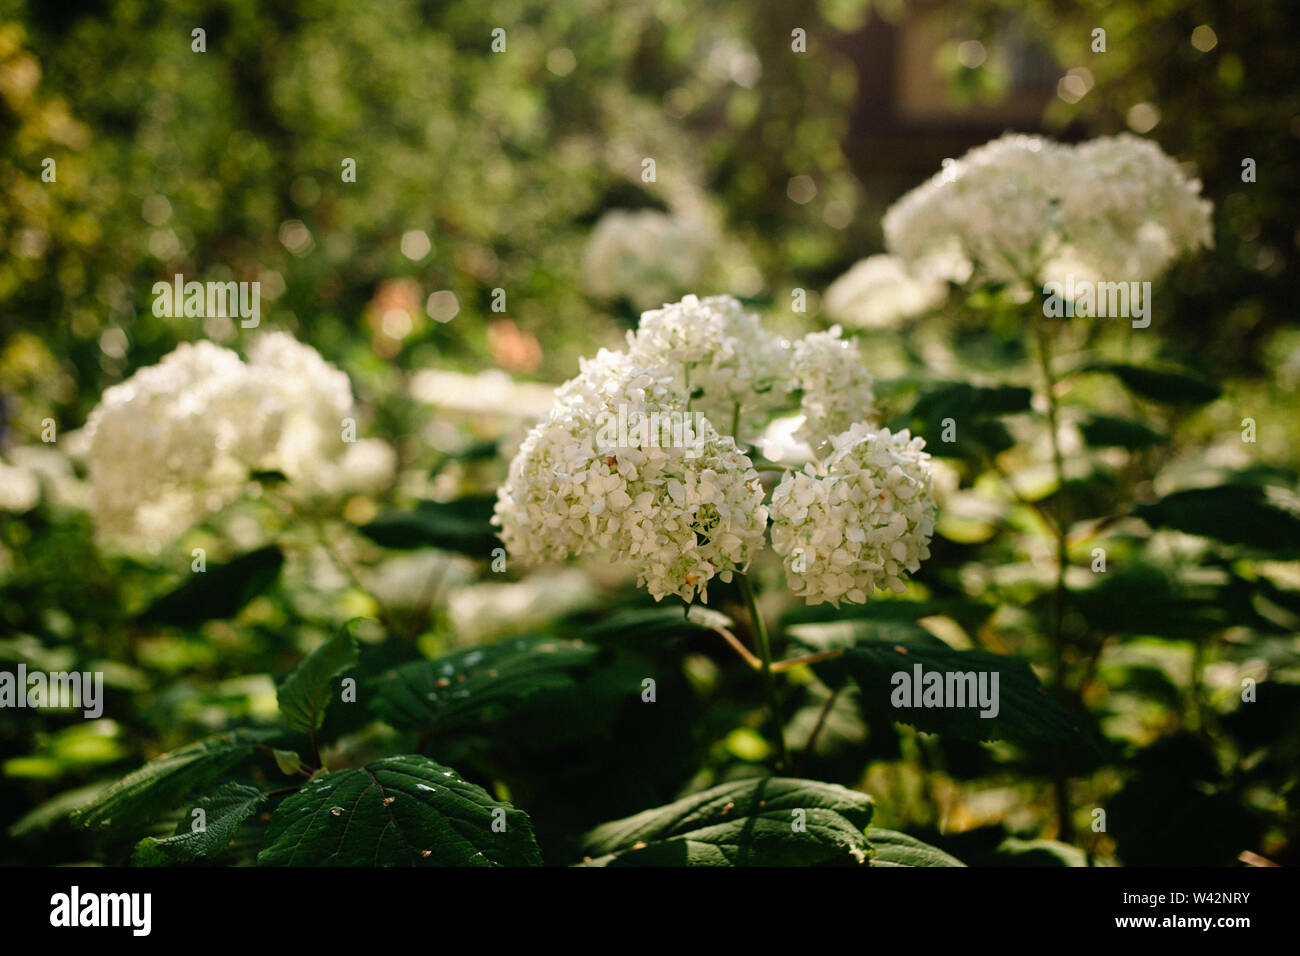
769, 681
817, 729
1065, 828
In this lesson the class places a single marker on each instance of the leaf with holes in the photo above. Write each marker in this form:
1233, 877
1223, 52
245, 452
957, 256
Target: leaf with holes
774, 821
401, 811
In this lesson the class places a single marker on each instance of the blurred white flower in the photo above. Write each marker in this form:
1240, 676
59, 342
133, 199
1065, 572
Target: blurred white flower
646, 256
177, 440
20, 490
1023, 208
482, 612
858, 523
879, 292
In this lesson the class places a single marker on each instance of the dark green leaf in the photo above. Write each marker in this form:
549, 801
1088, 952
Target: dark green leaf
892, 848
1170, 386
159, 785
401, 811
224, 810
464, 526
219, 592
775, 821
1103, 431
305, 693
1025, 713
1234, 514
469, 687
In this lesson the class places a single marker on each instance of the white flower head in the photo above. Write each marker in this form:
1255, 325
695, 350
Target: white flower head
678, 513
177, 440
1023, 208
719, 355
859, 523
837, 388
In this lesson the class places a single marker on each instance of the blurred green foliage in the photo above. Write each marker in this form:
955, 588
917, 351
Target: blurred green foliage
227, 164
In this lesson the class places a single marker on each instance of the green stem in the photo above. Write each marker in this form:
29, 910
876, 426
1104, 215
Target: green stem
769, 681
1065, 827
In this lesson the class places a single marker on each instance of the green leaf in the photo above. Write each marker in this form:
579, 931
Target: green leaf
464, 526
288, 761
305, 693
1244, 515
1103, 431
892, 848
161, 784
1169, 386
219, 592
1016, 852
959, 399
774, 821
1025, 713
470, 687
224, 810
401, 811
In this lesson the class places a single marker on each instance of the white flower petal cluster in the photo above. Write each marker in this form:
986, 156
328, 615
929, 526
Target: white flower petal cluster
860, 522
1026, 208
879, 292
646, 256
177, 440
837, 388
730, 359
679, 512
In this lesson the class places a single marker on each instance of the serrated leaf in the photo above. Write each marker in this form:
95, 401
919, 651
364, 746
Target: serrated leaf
305, 693
1025, 713
161, 784
224, 810
892, 848
219, 592
464, 526
1169, 386
1234, 514
743, 823
1105, 431
469, 687
402, 811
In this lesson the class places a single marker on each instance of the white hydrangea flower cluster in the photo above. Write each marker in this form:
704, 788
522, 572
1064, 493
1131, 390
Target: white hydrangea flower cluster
177, 440
860, 521
1023, 207
647, 256
837, 388
678, 512
731, 361
683, 511
879, 292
